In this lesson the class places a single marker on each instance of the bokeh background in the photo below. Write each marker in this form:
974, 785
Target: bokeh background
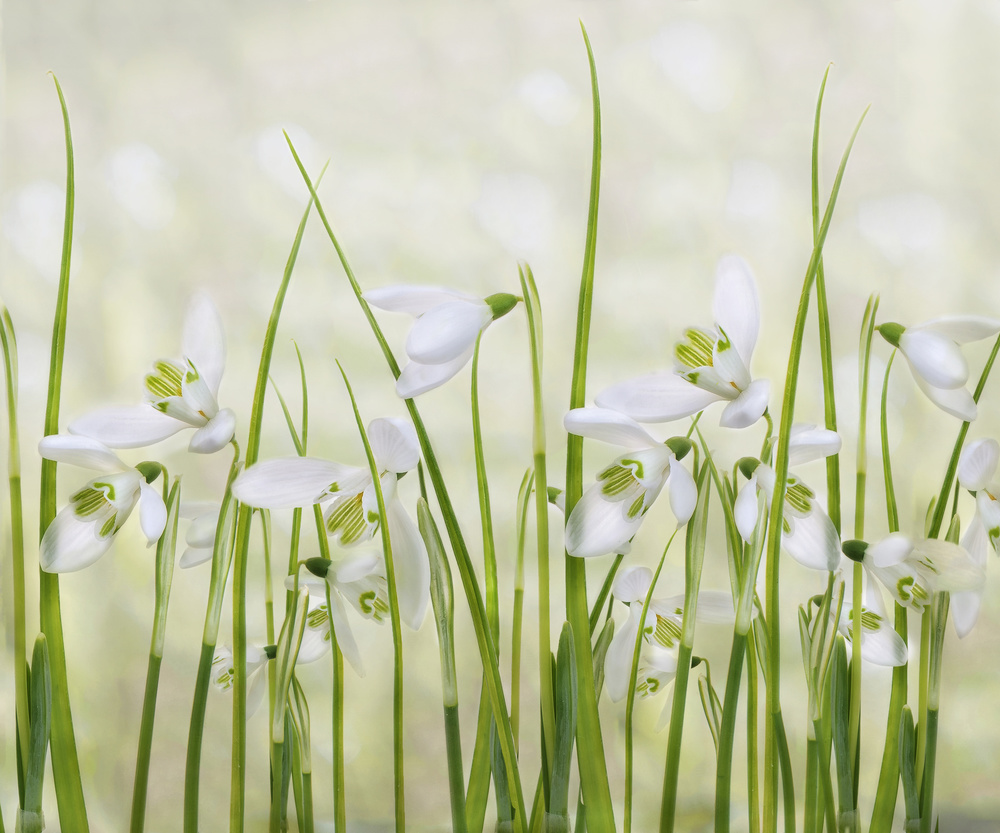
458, 137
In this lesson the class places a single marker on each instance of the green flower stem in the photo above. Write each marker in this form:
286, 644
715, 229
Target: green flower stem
727, 730
533, 310
602, 596
590, 743
30, 818
265, 530
222, 556
397, 636
523, 495
237, 792
939, 619
9, 344
888, 779
753, 769
694, 555
633, 672
487, 649
443, 601
165, 550
773, 705
65, 762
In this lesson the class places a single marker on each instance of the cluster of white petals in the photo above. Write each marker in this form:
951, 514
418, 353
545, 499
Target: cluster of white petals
443, 337
880, 644
710, 365
348, 496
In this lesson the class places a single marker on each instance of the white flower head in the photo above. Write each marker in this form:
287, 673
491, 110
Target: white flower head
913, 569
880, 644
611, 511
938, 366
444, 334
200, 537
809, 535
350, 503
710, 365
358, 578
83, 531
224, 674
179, 394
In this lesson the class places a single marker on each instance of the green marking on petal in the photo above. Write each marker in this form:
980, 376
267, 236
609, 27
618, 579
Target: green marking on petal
648, 686
318, 617
348, 521
799, 496
667, 633
635, 510
870, 620
109, 527
616, 479
88, 501
165, 380
695, 350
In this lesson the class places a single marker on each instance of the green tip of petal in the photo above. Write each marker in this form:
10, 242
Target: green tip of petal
501, 303
747, 466
891, 332
855, 549
317, 566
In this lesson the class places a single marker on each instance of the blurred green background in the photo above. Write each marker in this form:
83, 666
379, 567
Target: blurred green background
459, 136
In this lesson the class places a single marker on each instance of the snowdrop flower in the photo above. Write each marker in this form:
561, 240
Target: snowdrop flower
611, 511
224, 674
809, 535
351, 507
444, 335
360, 579
179, 394
880, 644
914, 569
938, 366
200, 537
710, 365
83, 531
977, 468
662, 633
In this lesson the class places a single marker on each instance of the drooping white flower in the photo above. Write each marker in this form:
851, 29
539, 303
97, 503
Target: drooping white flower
710, 365
809, 535
913, 569
358, 578
938, 366
444, 334
224, 674
200, 537
83, 531
977, 468
661, 635
350, 503
611, 511
179, 394
880, 644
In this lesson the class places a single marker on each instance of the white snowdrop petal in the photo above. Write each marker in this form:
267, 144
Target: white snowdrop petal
683, 493
746, 509
748, 407
963, 328
808, 442
126, 427
152, 512
608, 426
412, 566
288, 482
357, 566
656, 397
736, 306
618, 660
597, 526
813, 540
80, 451
730, 367
418, 378
70, 544
951, 569
201, 531
632, 584
965, 605
345, 638
315, 643
893, 549
413, 300
447, 331
978, 464
935, 358
204, 340
193, 556
394, 444
215, 434
957, 402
